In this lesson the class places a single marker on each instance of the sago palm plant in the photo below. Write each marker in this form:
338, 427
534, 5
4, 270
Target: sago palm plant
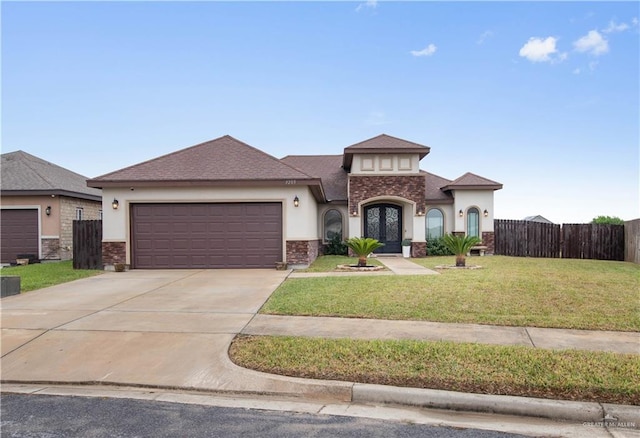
362, 247
460, 246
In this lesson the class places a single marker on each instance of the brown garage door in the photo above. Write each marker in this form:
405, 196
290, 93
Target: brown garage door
19, 233
178, 236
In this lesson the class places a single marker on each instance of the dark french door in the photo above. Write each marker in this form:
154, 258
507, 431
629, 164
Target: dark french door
384, 223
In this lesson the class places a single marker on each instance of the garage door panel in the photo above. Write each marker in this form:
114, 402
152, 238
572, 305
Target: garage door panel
232, 235
19, 233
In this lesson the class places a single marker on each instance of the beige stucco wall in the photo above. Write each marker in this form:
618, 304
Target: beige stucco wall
299, 223
49, 225
465, 199
385, 164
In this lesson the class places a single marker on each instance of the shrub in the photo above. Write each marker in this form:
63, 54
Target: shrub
436, 247
336, 246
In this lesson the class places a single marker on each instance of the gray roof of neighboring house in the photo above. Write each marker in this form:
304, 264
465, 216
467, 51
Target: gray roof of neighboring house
25, 174
326, 167
471, 181
537, 218
383, 144
223, 161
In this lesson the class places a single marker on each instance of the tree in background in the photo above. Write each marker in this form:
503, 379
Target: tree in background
607, 220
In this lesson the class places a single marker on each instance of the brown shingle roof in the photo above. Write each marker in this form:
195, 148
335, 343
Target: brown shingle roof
326, 167
433, 189
25, 174
471, 181
383, 144
219, 160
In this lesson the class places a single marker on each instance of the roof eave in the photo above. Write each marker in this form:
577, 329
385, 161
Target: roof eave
439, 201
67, 193
472, 187
314, 184
98, 183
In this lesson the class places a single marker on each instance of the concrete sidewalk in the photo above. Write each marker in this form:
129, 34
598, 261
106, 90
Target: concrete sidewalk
402, 266
357, 328
396, 265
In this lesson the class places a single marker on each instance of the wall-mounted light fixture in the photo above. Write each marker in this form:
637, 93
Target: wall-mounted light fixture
47, 210
115, 204
486, 213
296, 201
460, 213
420, 213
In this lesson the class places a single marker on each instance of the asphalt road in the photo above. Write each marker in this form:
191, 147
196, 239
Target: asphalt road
41, 416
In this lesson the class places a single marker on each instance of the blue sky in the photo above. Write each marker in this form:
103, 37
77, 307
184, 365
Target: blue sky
540, 96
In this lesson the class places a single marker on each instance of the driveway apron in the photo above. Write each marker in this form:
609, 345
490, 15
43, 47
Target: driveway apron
167, 328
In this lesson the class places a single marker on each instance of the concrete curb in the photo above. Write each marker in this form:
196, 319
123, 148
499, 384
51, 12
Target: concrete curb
590, 412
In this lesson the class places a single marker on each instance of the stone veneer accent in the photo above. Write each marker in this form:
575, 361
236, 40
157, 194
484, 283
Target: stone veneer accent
51, 249
114, 252
302, 252
410, 187
418, 249
489, 240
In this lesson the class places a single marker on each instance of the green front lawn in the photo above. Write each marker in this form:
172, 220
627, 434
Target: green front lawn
486, 369
41, 275
561, 293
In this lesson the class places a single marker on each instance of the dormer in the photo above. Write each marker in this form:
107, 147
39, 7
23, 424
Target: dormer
384, 155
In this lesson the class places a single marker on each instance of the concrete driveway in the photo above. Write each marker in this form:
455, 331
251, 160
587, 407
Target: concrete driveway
168, 328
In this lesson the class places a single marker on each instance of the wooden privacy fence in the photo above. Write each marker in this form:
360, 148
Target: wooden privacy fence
87, 244
593, 241
575, 241
526, 238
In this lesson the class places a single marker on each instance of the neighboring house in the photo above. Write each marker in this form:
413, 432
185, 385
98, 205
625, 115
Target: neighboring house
39, 201
538, 218
225, 204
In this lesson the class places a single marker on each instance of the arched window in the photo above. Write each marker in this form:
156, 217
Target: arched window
332, 225
435, 223
473, 222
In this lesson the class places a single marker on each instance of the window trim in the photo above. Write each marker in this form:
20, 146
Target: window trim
426, 222
79, 213
324, 224
477, 210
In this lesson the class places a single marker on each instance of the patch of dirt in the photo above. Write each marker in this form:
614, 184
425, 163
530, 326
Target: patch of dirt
355, 268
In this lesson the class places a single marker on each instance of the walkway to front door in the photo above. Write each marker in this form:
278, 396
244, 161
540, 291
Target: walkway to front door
383, 222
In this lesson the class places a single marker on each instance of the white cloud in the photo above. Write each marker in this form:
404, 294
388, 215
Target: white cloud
592, 43
370, 4
541, 50
427, 51
377, 118
484, 36
577, 71
615, 27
